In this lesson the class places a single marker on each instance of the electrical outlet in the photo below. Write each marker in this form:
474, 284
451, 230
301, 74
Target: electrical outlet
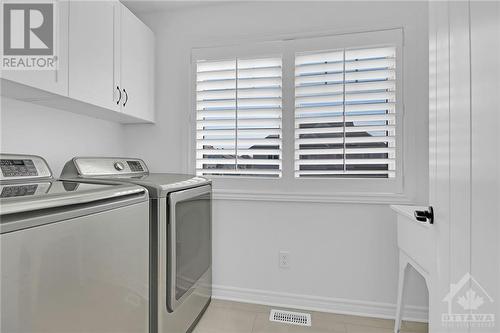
284, 257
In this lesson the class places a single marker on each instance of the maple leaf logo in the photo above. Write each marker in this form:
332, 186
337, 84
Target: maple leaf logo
471, 301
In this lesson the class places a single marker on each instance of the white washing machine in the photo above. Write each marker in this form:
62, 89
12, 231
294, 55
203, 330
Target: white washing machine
74, 256
181, 236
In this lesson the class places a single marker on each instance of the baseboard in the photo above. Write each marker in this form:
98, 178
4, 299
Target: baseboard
316, 303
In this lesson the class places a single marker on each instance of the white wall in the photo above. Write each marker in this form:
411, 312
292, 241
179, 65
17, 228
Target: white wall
343, 256
56, 135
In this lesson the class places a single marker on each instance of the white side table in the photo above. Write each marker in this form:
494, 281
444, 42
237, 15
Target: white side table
417, 247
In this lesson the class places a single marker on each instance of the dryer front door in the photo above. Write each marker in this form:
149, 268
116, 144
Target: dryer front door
189, 236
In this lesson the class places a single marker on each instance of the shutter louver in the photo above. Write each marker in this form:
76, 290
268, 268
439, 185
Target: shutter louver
238, 117
345, 113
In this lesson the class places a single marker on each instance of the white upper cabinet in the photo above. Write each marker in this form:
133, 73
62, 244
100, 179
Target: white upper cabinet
136, 66
92, 75
53, 81
106, 65
111, 59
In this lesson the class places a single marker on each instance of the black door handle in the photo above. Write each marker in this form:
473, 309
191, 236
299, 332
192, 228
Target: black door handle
119, 96
425, 215
126, 97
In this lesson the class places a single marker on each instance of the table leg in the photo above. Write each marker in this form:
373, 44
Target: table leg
403, 263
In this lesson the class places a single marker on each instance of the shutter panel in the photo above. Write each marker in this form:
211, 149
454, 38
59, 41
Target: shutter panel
238, 117
345, 113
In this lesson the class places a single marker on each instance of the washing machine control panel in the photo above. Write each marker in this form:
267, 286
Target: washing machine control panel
19, 167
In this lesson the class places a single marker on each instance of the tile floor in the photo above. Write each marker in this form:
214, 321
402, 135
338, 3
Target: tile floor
232, 317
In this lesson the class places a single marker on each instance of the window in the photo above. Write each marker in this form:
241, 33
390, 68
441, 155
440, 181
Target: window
345, 113
238, 117
314, 118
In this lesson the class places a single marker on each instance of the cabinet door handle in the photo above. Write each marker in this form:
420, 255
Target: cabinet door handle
119, 96
126, 97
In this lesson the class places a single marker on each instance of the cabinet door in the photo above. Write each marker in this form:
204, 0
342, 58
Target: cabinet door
137, 66
92, 75
54, 81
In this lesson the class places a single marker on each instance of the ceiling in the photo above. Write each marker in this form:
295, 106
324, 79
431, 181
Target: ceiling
147, 6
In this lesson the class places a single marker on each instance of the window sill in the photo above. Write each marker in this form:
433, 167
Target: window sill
354, 198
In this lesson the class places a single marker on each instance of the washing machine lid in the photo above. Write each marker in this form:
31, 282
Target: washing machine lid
19, 197
129, 170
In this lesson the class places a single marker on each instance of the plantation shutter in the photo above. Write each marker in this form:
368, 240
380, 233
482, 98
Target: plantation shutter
345, 113
238, 117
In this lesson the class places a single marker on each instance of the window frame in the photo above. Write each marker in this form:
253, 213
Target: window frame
288, 187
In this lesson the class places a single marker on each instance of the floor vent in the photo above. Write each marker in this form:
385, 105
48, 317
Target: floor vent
289, 317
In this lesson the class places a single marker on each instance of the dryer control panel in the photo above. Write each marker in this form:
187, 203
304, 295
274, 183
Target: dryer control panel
22, 167
105, 166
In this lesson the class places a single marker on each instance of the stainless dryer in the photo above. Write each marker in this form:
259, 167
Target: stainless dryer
74, 256
181, 236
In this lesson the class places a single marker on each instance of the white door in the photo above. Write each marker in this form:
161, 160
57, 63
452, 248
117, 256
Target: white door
92, 75
137, 66
439, 146
54, 81
485, 153
464, 177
